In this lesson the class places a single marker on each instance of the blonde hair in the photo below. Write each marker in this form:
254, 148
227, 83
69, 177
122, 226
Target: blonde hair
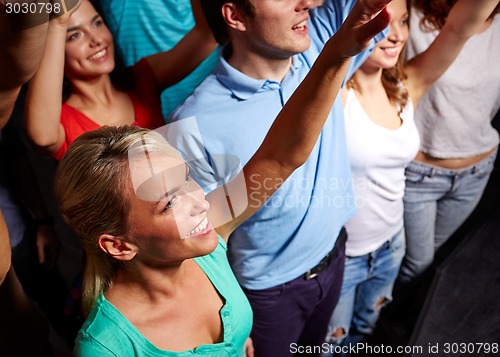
92, 188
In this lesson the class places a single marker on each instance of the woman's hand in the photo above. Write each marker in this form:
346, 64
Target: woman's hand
68, 8
249, 351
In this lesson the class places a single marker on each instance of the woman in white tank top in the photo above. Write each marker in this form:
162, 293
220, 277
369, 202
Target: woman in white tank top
382, 139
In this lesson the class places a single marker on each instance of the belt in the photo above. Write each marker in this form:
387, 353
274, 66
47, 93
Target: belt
339, 244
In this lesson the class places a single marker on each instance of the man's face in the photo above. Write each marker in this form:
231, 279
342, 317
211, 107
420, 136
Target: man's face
279, 28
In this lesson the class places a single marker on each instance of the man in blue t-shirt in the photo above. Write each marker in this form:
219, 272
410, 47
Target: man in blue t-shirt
289, 256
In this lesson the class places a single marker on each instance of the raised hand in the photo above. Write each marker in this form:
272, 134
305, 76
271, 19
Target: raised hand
366, 19
68, 8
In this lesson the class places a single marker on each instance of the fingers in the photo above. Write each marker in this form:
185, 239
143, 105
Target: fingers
366, 19
67, 8
69, 5
375, 25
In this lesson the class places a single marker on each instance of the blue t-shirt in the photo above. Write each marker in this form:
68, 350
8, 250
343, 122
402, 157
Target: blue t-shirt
299, 224
108, 333
141, 28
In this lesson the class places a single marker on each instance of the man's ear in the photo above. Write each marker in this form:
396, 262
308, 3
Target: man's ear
233, 17
117, 247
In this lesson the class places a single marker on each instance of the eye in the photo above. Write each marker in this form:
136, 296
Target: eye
98, 22
72, 37
170, 204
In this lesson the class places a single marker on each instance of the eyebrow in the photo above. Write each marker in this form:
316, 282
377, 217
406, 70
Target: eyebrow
74, 28
175, 189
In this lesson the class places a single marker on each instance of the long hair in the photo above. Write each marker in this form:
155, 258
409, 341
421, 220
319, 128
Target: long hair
436, 11
92, 188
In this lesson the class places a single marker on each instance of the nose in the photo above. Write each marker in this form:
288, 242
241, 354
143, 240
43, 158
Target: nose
396, 34
95, 39
197, 201
305, 5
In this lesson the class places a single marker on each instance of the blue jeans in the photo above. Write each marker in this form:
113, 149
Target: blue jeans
436, 202
367, 287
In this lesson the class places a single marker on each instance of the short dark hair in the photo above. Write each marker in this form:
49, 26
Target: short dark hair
213, 14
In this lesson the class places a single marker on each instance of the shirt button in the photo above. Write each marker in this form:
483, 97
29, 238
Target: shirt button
226, 314
228, 327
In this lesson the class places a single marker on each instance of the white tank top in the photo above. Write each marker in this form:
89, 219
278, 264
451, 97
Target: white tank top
378, 159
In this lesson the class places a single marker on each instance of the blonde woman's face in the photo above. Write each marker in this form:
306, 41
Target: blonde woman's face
168, 219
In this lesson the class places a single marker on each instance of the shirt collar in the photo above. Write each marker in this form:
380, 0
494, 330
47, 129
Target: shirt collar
242, 86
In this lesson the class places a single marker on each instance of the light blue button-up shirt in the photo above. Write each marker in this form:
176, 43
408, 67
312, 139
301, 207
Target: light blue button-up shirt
299, 224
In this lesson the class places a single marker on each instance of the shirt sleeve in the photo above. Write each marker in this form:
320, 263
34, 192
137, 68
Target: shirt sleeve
88, 347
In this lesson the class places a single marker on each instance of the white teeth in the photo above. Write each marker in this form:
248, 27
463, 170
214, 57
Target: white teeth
97, 55
391, 50
200, 227
300, 26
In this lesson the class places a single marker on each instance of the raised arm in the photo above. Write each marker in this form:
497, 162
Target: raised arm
4, 249
464, 20
295, 131
172, 66
22, 37
44, 99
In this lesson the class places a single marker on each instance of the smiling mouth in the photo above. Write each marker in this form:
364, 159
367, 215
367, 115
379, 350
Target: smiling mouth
300, 26
201, 228
390, 50
99, 54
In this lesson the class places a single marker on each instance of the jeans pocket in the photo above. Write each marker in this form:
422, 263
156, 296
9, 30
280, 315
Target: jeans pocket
485, 170
414, 177
397, 242
267, 298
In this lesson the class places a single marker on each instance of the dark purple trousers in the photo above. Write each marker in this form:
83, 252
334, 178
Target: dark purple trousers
291, 316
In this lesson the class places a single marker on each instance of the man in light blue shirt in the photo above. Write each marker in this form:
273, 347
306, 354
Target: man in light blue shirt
141, 28
288, 256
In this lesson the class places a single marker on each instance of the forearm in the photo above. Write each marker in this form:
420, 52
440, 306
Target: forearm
466, 17
296, 129
5, 254
172, 66
199, 18
20, 55
44, 97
